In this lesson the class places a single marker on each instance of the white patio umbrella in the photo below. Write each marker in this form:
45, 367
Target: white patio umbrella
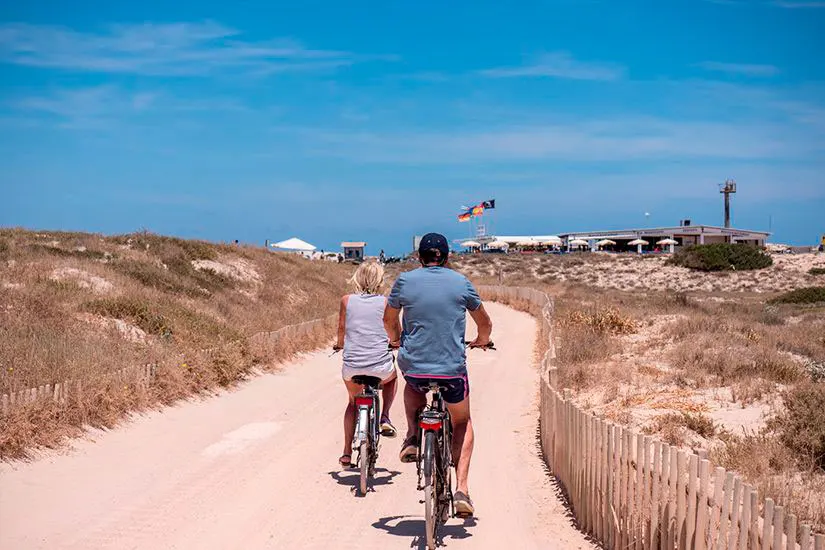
605, 242
578, 242
669, 242
470, 244
639, 243
526, 243
550, 241
498, 244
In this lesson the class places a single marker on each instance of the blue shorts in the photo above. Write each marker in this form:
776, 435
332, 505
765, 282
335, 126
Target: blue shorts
454, 389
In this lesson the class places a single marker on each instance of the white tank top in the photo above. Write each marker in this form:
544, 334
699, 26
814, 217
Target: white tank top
365, 340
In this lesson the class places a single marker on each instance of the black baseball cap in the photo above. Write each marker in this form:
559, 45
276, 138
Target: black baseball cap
435, 241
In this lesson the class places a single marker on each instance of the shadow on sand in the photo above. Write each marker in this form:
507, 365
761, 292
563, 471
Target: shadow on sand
351, 478
412, 527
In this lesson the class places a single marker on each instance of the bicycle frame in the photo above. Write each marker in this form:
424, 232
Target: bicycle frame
367, 431
367, 422
436, 418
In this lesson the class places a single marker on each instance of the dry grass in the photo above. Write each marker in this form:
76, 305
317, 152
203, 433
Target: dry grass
76, 306
670, 426
699, 350
771, 467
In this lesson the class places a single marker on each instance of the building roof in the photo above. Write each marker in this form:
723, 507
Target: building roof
353, 244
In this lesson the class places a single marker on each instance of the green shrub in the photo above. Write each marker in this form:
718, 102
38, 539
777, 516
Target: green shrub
801, 426
806, 295
721, 257
817, 271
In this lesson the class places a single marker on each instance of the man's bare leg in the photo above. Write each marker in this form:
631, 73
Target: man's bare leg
463, 439
413, 401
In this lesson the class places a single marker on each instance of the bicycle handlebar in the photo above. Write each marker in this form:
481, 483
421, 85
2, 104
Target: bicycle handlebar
467, 343
490, 345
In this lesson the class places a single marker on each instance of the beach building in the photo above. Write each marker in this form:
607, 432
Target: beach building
641, 239
683, 235
354, 250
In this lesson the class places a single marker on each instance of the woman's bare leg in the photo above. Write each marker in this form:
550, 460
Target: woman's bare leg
349, 416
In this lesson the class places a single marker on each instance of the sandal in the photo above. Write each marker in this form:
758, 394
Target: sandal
409, 449
387, 429
345, 461
463, 505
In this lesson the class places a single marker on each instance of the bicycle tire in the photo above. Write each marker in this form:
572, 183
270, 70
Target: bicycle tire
431, 492
364, 456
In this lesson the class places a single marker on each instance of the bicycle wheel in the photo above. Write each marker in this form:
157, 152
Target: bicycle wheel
431, 490
364, 458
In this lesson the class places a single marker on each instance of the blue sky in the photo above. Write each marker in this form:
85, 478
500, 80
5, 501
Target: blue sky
347, 121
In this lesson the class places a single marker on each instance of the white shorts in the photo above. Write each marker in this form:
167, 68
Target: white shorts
384, 372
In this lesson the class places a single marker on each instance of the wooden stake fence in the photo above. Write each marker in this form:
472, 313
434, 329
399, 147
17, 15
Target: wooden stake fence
629, 491
262, 342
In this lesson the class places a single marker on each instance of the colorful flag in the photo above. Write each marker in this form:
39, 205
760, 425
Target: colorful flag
478, 210
489, 204
465, 217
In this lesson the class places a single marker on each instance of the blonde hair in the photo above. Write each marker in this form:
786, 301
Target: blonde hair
368, 278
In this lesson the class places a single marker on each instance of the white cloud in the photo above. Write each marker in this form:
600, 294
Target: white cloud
559, 65
621, 139
792, 4
177, 49
101, 107
740, 68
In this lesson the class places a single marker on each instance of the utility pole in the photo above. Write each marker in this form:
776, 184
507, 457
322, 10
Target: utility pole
728, 188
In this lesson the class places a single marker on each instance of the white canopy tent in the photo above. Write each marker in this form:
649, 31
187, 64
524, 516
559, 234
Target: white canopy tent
294, 245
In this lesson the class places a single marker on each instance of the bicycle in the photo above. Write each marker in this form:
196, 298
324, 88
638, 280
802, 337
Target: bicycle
434, 462
367, 427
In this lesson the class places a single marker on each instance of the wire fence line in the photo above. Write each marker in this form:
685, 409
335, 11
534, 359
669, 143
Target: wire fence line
264, 343
631, 491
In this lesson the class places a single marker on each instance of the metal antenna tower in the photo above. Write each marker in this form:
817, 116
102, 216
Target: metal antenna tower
727, 188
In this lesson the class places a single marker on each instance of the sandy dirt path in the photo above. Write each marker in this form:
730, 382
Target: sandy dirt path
257, 468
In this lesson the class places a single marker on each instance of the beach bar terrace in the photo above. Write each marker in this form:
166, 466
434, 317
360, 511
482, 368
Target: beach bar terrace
683, 235
623, 240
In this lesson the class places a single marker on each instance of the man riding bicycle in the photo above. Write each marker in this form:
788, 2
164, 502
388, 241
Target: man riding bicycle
435, 300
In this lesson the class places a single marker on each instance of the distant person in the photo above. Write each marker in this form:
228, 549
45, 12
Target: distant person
381, 257
435, 300
236, 242
340, 258
365, 343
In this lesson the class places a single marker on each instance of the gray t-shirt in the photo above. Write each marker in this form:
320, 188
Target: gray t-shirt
435, 301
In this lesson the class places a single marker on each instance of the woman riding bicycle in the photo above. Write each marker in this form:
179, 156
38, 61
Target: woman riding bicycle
365, 343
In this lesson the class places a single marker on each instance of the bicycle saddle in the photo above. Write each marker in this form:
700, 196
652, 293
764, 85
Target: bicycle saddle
364, 380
